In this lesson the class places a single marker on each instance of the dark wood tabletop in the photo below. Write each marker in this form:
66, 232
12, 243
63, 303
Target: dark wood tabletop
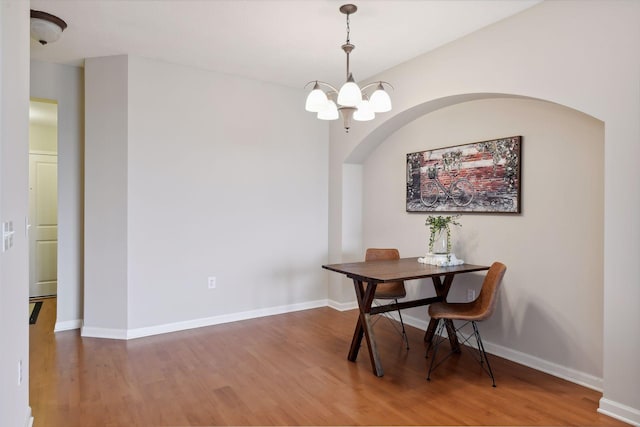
400, 269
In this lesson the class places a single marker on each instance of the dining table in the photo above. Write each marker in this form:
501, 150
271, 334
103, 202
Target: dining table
368, 274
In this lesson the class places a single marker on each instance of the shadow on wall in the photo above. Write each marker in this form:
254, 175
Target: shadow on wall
538, 332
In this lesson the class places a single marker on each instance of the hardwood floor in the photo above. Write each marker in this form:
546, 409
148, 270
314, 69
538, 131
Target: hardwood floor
282, 370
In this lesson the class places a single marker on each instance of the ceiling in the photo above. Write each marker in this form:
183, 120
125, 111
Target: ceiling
287, 42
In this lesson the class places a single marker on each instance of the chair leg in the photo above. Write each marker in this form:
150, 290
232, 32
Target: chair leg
438, 340
404, 332
401, 331
483, 353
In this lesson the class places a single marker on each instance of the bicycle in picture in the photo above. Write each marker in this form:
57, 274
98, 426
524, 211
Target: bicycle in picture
460, 190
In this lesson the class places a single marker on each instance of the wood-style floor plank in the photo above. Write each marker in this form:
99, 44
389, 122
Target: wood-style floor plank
290, 369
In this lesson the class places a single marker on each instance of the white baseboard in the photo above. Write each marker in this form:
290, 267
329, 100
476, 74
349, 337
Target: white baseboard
109, 333
342, 306
575, 376
569, 374
415, 322
68, 325
126, 334
619, 411
28, 422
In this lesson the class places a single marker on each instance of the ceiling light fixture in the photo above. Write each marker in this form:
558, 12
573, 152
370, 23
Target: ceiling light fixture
45, 27
351, 101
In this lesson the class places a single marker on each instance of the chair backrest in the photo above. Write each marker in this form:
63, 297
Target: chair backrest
376, 254
485, 304
389, 290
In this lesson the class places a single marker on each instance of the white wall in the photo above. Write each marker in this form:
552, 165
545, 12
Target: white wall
64, 84
106, 167
584, 55
14, 272
551, 303
224, 177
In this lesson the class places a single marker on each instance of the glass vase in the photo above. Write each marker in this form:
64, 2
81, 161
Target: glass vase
440, 242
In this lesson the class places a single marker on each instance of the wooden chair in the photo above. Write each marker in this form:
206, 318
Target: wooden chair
391, 290
470, 312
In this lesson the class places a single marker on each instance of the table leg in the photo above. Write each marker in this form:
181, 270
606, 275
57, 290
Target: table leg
364, 327
442, 290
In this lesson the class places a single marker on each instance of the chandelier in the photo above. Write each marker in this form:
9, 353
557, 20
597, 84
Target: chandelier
351, 101
45, 27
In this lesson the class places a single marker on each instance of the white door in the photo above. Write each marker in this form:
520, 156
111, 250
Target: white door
43, 217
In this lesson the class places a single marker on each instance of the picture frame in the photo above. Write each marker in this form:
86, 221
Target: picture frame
478, 177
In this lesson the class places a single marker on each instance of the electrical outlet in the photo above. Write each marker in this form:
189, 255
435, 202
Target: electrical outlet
471, 295
212, 282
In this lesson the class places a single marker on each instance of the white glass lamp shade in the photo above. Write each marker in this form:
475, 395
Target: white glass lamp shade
316, 100
45, 27
380, 100
330, 112
364, 113
350, 94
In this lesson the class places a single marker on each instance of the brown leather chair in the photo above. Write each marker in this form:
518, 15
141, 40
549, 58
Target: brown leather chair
391, 290
470, 312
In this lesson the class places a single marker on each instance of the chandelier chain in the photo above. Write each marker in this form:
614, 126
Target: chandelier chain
348, 29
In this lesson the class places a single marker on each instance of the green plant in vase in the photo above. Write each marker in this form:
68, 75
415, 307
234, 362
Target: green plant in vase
437, 226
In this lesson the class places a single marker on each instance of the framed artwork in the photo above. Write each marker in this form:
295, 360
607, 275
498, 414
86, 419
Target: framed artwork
478, 177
